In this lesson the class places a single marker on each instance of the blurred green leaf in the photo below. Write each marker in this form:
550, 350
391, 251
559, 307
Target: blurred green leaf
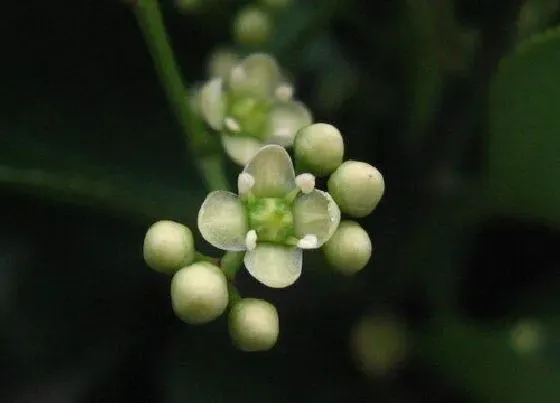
535, 15
524, 145
482, 362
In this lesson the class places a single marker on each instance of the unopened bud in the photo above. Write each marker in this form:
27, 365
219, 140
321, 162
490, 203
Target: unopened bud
168, 246
320, 148
252, 26
349, 249
254, 325
199, 293
356, 187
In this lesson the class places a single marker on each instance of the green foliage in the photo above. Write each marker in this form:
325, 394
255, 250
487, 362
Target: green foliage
524, 144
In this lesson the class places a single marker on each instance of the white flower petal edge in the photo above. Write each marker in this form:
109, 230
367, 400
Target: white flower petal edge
212, 103
222, 221
273, 171
273, 265
316, 213
285, 119
240, 148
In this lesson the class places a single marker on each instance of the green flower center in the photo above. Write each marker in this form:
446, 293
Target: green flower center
272, 219
251, 113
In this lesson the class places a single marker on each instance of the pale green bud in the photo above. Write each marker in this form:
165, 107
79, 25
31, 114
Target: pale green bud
199, 293
356, 187
379, 344
168, 246
319, 148
221, 62
349, 248
252, 26
254, 325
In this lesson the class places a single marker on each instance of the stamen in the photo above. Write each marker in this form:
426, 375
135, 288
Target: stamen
245, 182
232, 125
251, 240
309, 241
284, 92
306, 182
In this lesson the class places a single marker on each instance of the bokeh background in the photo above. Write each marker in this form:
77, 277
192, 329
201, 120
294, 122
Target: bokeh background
460, 302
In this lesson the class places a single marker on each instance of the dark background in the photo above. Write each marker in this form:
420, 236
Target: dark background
91, 155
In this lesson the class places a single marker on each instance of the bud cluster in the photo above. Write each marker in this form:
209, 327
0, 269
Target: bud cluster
200, 291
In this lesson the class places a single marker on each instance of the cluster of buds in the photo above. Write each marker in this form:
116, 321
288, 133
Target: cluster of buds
276, 214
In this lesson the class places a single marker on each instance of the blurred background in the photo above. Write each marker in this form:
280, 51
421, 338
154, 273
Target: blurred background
456, 103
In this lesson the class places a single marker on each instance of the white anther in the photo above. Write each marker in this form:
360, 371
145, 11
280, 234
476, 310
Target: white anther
251, 240
245, 182
284, 92
232, 125
306, 182
309, 241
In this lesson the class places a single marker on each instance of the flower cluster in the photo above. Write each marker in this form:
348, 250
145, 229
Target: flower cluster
250, 104
276, 214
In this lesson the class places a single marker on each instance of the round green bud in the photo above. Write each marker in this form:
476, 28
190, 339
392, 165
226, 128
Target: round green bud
168, 246
320, 148
253, 325
221, 62
252, 26
349, 249
356, 187
199, 293
379, 344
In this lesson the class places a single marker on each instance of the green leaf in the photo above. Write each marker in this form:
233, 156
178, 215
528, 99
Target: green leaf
482, 362
524, 144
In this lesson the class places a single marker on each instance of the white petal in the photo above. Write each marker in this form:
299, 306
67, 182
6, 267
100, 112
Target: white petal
285, 119
244, 183
222, 221
316, 213
256, 75
212, 103
273, 171
241, 148
273, 265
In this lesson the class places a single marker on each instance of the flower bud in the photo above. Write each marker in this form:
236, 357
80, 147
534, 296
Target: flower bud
349, 249
252, 26
221, 62
199, 293
319, 148
168, 246
356, 187
253, 325
379, 344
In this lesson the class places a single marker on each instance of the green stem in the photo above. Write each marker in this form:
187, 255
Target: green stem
204, 147
231, 262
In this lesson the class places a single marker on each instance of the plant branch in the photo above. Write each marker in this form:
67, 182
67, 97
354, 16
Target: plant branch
204, 147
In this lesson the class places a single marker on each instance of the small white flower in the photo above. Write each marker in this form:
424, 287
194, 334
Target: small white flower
252, 108
277, 219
